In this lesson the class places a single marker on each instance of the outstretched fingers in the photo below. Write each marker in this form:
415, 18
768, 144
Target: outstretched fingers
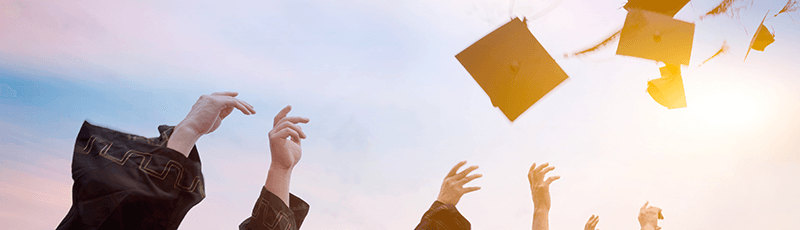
229, 105
293, 120
455, 169
466, 180
281, 115
471, 189
536, 172
293, 126
540, 167
592, 222
546, 170
227, 93
466, 172
469, 178
551, 179
231, 102
247, 105
288, 132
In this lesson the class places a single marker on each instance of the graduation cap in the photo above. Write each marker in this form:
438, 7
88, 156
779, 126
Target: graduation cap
665, 7
512, 67
668, 90
761, 39
657, 37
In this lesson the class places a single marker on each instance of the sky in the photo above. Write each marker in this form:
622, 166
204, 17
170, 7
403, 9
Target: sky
392, 110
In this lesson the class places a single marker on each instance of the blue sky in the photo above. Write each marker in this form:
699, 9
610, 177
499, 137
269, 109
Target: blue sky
392, 110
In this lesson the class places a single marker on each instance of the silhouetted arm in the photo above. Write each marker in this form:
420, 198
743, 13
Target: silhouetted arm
540, 190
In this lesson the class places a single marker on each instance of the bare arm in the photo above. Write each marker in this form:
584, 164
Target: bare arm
540, 190
540, 219
183, 139
284, 144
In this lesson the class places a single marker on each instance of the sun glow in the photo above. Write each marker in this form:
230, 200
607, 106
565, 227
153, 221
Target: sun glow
728, 107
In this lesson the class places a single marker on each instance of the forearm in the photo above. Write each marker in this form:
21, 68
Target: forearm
277, 183
183, 139
648, 227
540, 217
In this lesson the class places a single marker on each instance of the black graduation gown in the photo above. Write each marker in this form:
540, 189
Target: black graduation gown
442, 216
125, 181
271, 213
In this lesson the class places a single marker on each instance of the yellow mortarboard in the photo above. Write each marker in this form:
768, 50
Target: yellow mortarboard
761, 39
668, 90
657, 37
665, 7
512, 67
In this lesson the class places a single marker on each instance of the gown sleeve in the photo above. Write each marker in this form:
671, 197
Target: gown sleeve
125, 181
443, 217
271, 213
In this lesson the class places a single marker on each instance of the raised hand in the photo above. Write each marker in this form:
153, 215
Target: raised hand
540, 188
452, 187
648, 217
284, 139
209, 110
592, 223
284, 144
205, 117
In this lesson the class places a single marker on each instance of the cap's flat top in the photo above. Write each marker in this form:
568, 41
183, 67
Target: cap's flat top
668, 90
512, 67
665, 7
656, 37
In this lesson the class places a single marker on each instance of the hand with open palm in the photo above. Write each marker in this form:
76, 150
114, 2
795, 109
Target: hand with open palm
453, 184
284, 139
205, 116
284, 146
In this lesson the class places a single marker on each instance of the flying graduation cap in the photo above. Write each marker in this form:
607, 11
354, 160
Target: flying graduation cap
761, 39
668, 90
665, 7
512, 67
656, 36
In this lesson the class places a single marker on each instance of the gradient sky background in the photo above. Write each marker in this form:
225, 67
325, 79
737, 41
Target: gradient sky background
392, 110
